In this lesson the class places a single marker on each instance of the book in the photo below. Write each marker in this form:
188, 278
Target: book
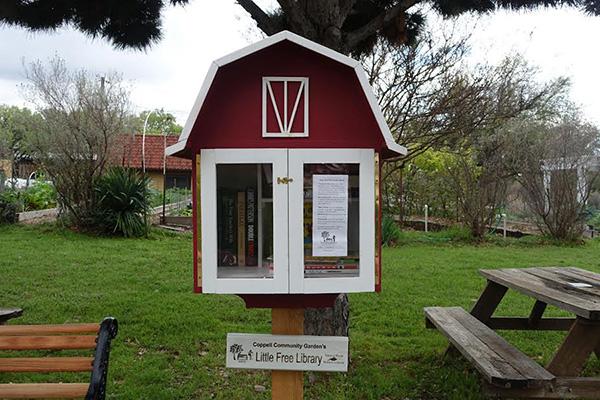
251, 228
226, 229
241, 228
323, 267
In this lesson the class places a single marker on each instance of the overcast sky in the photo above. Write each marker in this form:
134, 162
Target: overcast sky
169, 75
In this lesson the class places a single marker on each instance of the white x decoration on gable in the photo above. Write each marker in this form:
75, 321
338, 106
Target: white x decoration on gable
284, 106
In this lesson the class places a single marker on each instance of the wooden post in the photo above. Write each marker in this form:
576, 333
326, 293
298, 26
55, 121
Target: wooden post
287, 385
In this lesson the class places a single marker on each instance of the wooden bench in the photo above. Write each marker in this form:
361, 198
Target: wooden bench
501, 364
57, 337
9, 313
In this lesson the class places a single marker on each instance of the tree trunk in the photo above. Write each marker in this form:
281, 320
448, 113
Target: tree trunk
332, 321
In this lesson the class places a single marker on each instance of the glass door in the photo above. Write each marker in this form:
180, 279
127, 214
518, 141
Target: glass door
331, 220
244, 243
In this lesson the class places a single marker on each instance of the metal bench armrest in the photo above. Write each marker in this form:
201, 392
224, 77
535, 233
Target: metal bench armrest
107, 332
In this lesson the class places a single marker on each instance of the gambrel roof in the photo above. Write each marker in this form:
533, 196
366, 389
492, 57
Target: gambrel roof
181, 148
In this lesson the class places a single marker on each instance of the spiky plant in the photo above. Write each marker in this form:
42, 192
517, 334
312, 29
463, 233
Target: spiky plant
122, 202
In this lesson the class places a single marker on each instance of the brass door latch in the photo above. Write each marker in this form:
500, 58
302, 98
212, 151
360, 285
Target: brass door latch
285, 180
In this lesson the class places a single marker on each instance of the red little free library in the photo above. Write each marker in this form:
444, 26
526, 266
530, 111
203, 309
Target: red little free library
287, 141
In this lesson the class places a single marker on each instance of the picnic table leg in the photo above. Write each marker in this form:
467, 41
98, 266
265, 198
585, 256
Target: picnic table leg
582, 339
536, 313
488, 301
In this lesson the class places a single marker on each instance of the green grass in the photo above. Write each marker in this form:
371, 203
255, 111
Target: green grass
171, 342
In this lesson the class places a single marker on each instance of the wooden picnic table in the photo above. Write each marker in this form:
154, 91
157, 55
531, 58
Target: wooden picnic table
571, 289
507, 371
574, 290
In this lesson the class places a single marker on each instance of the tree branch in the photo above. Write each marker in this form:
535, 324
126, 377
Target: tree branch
263, 21
371, 27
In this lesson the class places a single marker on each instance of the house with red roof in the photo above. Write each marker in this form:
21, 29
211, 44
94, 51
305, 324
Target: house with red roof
149, 154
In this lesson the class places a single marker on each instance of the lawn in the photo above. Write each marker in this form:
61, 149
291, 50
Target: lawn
171, 342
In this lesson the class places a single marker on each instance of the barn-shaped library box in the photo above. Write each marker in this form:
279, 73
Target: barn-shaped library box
287, 140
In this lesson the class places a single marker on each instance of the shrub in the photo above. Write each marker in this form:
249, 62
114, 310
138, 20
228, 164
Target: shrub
185, 212
9, 204
390, 231
122, 202
40, 196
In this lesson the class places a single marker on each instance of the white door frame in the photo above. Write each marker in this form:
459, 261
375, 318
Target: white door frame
365, 282
280, 281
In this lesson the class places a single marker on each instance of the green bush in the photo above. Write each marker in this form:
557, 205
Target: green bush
594, 219
122, 202
185, 212
8, 206
390, 231
39, 196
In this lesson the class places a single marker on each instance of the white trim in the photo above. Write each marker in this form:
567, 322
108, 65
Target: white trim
175, 148
211, 283
365, 282
285, 124
189, 124
383, 126
282, 127
292, 37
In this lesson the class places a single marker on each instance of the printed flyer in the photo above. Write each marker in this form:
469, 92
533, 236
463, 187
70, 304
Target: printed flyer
330, 216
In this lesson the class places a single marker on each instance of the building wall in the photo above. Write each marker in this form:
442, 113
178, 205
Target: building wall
156, 180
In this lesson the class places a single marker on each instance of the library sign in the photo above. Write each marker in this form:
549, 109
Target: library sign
287, 352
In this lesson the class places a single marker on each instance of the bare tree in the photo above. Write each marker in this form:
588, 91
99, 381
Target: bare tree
82, 115
553, 163
475, 174
432, 99
416, 88
478, 173
417, 92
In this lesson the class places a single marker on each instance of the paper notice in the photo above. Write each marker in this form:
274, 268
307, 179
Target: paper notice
330, 216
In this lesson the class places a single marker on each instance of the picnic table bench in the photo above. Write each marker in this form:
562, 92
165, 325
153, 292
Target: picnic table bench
96, 337
507, 371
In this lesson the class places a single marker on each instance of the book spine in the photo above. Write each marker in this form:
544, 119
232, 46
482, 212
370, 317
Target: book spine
251, 228
220, 223
227, 245
241, 228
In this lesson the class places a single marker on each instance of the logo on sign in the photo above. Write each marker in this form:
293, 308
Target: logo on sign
238, 353
284, 107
